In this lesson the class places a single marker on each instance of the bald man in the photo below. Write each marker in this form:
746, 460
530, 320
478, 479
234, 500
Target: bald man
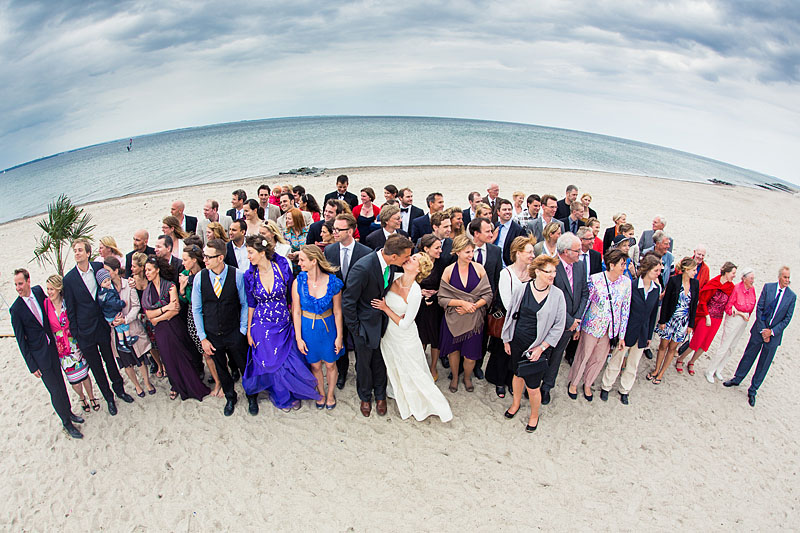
140, 238
188, 223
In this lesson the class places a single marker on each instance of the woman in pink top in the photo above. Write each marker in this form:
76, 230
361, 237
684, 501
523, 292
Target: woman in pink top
738, 310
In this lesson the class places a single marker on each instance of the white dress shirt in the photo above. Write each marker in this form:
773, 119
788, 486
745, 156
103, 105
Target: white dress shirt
241, 255
89, 280
406, 216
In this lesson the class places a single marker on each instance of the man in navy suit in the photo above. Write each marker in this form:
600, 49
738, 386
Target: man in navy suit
507, 229
773, 313
38, 347
573, 222
344, 253
328, 214
238, 198
87, 325
187, 222
341, 192
408, 211
422, 225
468, 214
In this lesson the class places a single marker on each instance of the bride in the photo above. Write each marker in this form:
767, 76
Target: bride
412, 385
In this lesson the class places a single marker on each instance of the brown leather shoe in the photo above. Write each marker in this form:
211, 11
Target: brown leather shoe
366, 408
380, 406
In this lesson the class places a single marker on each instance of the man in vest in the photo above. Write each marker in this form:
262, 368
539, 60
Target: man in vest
219, 307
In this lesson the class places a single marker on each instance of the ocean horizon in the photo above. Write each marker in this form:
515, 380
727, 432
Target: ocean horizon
245, 149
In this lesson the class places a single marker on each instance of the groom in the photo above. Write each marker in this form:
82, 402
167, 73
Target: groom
369, 279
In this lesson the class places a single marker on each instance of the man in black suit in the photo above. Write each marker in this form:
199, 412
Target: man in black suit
238, 198
328, 214
140, 238
344, 253
408, 211
187, 222
422, 225
441, 230
38, 347
236, 252
589, 256
507, 229
573, 222
468, 214
341, 192
369, 280
89, 327
390, 224
564, 205
491, 257
492, 199
571, 279
163, 250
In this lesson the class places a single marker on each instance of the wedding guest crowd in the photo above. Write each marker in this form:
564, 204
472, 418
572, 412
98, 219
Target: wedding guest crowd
279, 290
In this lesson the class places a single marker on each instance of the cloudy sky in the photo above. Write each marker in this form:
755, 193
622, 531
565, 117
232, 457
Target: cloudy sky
719, 79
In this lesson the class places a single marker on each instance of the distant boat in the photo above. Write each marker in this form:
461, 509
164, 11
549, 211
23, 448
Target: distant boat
130, 144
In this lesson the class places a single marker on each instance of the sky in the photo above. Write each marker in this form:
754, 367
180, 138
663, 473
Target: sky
718, 79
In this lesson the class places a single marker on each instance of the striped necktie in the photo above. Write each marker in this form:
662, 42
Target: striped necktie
217, 287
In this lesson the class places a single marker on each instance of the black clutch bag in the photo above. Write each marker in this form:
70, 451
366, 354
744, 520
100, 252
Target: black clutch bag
526, 367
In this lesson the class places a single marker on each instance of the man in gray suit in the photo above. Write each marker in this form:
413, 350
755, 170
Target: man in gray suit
646, 240
546, 216
571, 279
211, 214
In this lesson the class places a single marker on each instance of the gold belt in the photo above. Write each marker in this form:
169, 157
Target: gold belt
314, 317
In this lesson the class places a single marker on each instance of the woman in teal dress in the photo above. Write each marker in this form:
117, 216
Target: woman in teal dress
317, 313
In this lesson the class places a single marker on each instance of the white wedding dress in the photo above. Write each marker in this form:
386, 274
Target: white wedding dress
410, 381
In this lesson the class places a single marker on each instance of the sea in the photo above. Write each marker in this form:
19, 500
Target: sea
266, 147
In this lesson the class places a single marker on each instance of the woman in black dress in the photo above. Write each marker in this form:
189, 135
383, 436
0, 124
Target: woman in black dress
429, 316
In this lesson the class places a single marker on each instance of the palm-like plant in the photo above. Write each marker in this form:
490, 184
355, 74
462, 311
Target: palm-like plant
65, 222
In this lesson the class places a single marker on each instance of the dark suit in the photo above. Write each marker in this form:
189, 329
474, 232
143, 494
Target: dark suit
493, 264
333, 255
377, 239
191, 224
129, 256
315, 232
562, 209
568, 224
177, 268
91, 331
608, 238
756, 345
466, 216
232, 213
642, 317
494, 207
576, 297
514, 231
367, 324
38, 347
595, 261
420, 226
349, 198
230, 256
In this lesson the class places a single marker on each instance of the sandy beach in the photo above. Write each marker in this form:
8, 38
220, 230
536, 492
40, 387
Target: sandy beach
685, 454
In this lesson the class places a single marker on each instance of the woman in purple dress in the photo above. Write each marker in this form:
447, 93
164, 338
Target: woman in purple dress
274, 364
160, 303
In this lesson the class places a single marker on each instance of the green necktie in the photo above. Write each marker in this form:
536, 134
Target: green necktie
386, 277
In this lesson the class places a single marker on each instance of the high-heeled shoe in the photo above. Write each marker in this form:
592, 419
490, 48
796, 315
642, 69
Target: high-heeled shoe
572, 395
531, 429
509, 415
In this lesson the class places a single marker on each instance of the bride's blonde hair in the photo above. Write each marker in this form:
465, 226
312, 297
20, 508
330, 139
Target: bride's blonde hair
425, 266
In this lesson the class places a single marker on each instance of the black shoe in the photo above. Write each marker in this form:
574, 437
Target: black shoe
545, 396
751, 399
450, 376
604, 395
235, 375
531, 429
125, 397
72, 431
253, 409
648, 353
478, 373
500, 391
112, 408
153, 368
210, 380
229, 406
122, 346
509, 415
340, 381
588, 398
75, 419
445, 362
623, 398
569, 360
572, 395
730, 383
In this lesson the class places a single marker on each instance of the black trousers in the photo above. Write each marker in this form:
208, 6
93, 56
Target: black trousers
549, 380
498, 369
53, 380
343, 363
370, 371
230, 349
92, 355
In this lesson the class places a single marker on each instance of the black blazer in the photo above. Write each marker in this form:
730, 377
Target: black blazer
129, 256
191, 224
230, 256
514, 231
494, 208
177, 268
364, 284
595, 261
608, 238
493, 265
642, 317
332, 255
32, 337
377, 239
315, 232
86, 322
562, 209
575, 296
670, 301
349, 198
447, 249
232, 214
420, 226
567, 223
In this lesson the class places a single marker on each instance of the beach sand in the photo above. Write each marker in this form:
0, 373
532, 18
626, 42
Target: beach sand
685, 454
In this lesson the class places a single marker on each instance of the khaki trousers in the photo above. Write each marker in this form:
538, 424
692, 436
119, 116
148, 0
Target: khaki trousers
628, 375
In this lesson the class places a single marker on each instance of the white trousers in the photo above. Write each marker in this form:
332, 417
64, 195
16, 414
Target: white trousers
628, 375
732, 331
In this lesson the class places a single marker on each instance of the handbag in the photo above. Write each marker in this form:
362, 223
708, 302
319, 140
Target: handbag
612, 341
526, 367
497, 318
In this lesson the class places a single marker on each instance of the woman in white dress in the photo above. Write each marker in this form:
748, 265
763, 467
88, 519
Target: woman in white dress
410, 381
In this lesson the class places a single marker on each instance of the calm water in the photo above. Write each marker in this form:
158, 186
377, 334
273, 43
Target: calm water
265, 147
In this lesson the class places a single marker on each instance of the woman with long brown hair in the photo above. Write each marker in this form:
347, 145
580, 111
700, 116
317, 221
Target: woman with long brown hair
171, 227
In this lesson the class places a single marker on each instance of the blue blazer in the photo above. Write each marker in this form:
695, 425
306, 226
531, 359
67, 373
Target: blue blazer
420, 226
86, 322
782, 316
32, 337
642, 316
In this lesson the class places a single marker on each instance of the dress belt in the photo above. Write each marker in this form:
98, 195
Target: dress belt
314, 317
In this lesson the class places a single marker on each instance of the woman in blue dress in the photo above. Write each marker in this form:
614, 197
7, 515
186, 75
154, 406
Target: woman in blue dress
273, 363
317, 312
